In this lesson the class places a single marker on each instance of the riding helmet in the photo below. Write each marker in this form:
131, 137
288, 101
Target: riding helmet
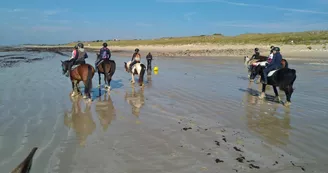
256, 49
271, 47
136, 50
105, 44
80, 45
276, 49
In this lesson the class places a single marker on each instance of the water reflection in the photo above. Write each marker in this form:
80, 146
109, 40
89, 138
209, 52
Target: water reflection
136, 100
271, 121
81, 122
105, 110
149, 81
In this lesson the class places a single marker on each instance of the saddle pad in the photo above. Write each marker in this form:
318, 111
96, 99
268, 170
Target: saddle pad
75, 66
271, 73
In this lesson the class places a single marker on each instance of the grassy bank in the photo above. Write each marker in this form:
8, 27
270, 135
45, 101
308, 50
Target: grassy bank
298, 38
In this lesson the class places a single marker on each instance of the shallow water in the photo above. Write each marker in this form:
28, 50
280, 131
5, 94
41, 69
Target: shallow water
142, 129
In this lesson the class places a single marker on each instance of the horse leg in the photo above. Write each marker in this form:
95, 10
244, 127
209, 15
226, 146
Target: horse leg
263, 91
288, 92
75, 90
277, 98
109, 79
99, 78
132, 79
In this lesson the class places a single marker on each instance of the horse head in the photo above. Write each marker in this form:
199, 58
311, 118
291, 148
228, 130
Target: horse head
64, 65
126, 66
256, 71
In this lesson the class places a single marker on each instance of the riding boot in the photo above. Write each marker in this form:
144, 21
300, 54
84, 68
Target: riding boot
265, 78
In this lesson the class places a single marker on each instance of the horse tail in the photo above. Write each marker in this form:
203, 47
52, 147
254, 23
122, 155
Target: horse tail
88, 85
142, 73
289, 78
286, 63
112, 68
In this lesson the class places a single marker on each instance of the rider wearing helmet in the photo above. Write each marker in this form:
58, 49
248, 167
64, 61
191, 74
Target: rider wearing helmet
78, 56
104, 53
271, 54
273, 65
135, 59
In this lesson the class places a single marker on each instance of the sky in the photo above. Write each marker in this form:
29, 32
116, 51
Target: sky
59, 21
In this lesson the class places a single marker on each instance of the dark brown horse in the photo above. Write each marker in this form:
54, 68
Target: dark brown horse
83, 72
106, 67
26, 164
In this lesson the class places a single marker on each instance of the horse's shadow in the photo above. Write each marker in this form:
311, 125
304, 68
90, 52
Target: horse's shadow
256, 93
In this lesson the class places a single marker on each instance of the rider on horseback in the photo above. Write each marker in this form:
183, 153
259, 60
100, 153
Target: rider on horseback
78, 56
135, 59
271, 54
273, 65
104, 53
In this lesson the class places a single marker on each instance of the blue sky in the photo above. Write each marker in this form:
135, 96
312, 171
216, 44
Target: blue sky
59, 21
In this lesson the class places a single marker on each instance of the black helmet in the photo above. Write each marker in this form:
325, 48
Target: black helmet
276, 49
136, 50
256, 49
80, 45
271, 47
105, 44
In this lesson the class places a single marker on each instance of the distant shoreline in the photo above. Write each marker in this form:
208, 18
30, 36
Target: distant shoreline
191, 50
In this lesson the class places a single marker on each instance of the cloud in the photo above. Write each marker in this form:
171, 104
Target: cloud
188, 16
246, 5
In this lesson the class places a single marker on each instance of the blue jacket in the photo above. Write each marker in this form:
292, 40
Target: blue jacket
276, 61
105, 52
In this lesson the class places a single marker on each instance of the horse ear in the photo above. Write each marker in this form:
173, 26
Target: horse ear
61, 61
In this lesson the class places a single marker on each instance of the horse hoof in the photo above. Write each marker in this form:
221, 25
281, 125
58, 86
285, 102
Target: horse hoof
132, 82
287, 104
262, 96
74, 94
277, 99
251, 80
85, 97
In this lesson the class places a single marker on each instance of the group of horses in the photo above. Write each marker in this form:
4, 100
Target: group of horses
283, 78
85, 72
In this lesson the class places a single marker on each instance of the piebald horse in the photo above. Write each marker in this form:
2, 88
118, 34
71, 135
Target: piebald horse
138, 69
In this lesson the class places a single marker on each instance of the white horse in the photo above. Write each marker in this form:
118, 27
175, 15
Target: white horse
138, 69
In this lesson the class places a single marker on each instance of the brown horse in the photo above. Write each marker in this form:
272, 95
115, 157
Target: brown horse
83, 72
106, 67
26, 164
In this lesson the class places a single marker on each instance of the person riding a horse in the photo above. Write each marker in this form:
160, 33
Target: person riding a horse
104, 53
273, 65
136, 57
78, 56
271, 54
256, 54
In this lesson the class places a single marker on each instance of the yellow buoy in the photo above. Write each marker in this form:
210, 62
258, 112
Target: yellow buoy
156, 68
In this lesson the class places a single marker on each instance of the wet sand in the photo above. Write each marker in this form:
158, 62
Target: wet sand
195, 115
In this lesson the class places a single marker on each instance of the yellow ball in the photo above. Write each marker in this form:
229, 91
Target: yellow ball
155, 68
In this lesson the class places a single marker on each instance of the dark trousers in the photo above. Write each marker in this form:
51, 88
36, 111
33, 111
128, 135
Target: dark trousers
132, 64
149, 63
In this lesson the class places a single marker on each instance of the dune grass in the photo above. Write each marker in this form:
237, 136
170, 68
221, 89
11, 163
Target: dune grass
298, 38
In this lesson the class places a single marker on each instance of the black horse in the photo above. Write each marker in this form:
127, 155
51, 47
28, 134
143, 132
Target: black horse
284, 78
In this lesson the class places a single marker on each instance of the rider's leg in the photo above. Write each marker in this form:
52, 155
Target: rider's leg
131, 65
265, 74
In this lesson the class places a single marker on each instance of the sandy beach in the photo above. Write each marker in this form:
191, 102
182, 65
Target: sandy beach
197, 115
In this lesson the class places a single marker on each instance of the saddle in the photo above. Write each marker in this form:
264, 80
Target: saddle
263, 63
75, 66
